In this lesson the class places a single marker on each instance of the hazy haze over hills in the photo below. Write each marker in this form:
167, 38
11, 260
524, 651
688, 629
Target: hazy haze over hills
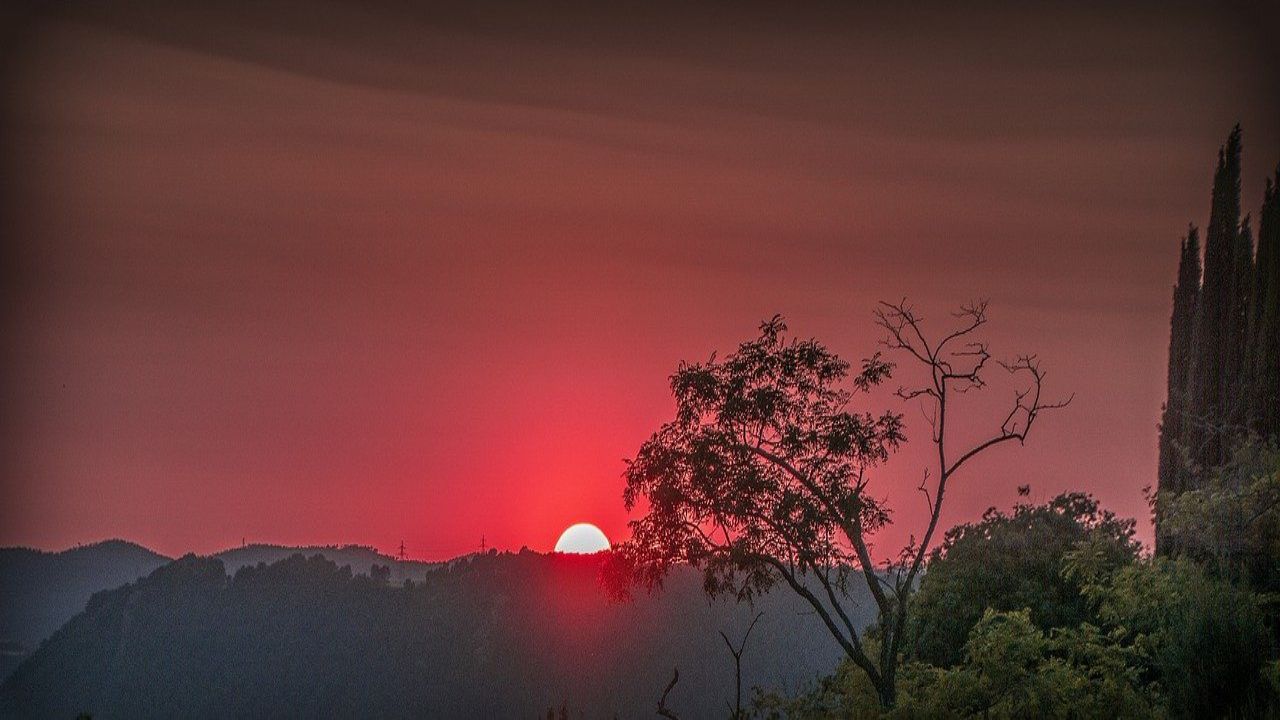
495, 635
360, 557
40, 591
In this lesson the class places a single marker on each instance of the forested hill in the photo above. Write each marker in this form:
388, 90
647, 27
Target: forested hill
40, 590
497, 635
361, 558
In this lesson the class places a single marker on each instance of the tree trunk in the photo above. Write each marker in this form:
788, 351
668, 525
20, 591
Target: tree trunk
887, 688
888, 694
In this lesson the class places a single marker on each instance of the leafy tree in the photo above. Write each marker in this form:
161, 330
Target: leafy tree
762, 477
1015, 669
1011, 561
1232, 522
1012, 669
1224, 347
1203, 641
1162, 638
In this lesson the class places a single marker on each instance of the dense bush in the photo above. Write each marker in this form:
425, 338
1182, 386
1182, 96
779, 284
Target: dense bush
1010, 562
1100, 633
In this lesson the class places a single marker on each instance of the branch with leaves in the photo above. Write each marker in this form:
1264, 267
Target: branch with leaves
762, 477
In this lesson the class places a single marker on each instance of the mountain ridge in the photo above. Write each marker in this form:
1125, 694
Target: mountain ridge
40, 590
496, 634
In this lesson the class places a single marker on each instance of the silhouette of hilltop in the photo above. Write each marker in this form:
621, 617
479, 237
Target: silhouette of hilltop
486, 635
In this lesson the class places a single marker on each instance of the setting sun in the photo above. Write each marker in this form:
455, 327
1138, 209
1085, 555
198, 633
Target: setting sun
323, 322
582, 538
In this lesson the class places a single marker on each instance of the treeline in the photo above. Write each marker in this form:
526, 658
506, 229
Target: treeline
39, 591
1224, 342
495, 635
1051, 611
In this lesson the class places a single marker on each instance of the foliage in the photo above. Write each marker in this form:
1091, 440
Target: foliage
762, 477
1145, 638
762, 469
1011, 669
1014, 669
1216, 392
1232, 522
1007, 562
1172, 470
1224, 348
1202, 640
1264, 327
846, 693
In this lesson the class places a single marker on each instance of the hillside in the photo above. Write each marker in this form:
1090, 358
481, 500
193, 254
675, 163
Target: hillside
40, 590
361, 558
498, 635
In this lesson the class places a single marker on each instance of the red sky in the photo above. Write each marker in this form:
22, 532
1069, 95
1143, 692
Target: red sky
318, 273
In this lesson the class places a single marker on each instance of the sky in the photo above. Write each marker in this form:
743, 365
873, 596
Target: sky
313, 273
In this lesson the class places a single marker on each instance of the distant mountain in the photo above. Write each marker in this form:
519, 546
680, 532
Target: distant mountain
361, 558
496, 635
39, 591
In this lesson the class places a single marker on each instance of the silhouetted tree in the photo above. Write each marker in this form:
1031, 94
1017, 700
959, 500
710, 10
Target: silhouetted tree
1238, 389
1264, 331
1214, 391
762, 477
1186, 295
1224, 368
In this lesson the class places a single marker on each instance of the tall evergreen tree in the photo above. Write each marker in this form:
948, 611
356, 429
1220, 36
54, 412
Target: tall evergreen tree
1214, 391
1264, 330
1238, 395
1186, 296
1224, 366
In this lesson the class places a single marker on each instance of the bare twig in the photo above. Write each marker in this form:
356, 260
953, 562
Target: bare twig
663, 710
737, 664
951, 371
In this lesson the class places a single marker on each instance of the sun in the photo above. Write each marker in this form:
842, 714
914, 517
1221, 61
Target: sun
583, 538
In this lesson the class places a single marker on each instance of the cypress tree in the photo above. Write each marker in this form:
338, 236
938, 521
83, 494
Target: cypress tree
1264, 330
1237, 398
1186, 296
1214, 388
1224, 340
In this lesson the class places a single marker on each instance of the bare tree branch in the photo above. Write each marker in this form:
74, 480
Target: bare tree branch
737, 664
950, 372
663, 710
